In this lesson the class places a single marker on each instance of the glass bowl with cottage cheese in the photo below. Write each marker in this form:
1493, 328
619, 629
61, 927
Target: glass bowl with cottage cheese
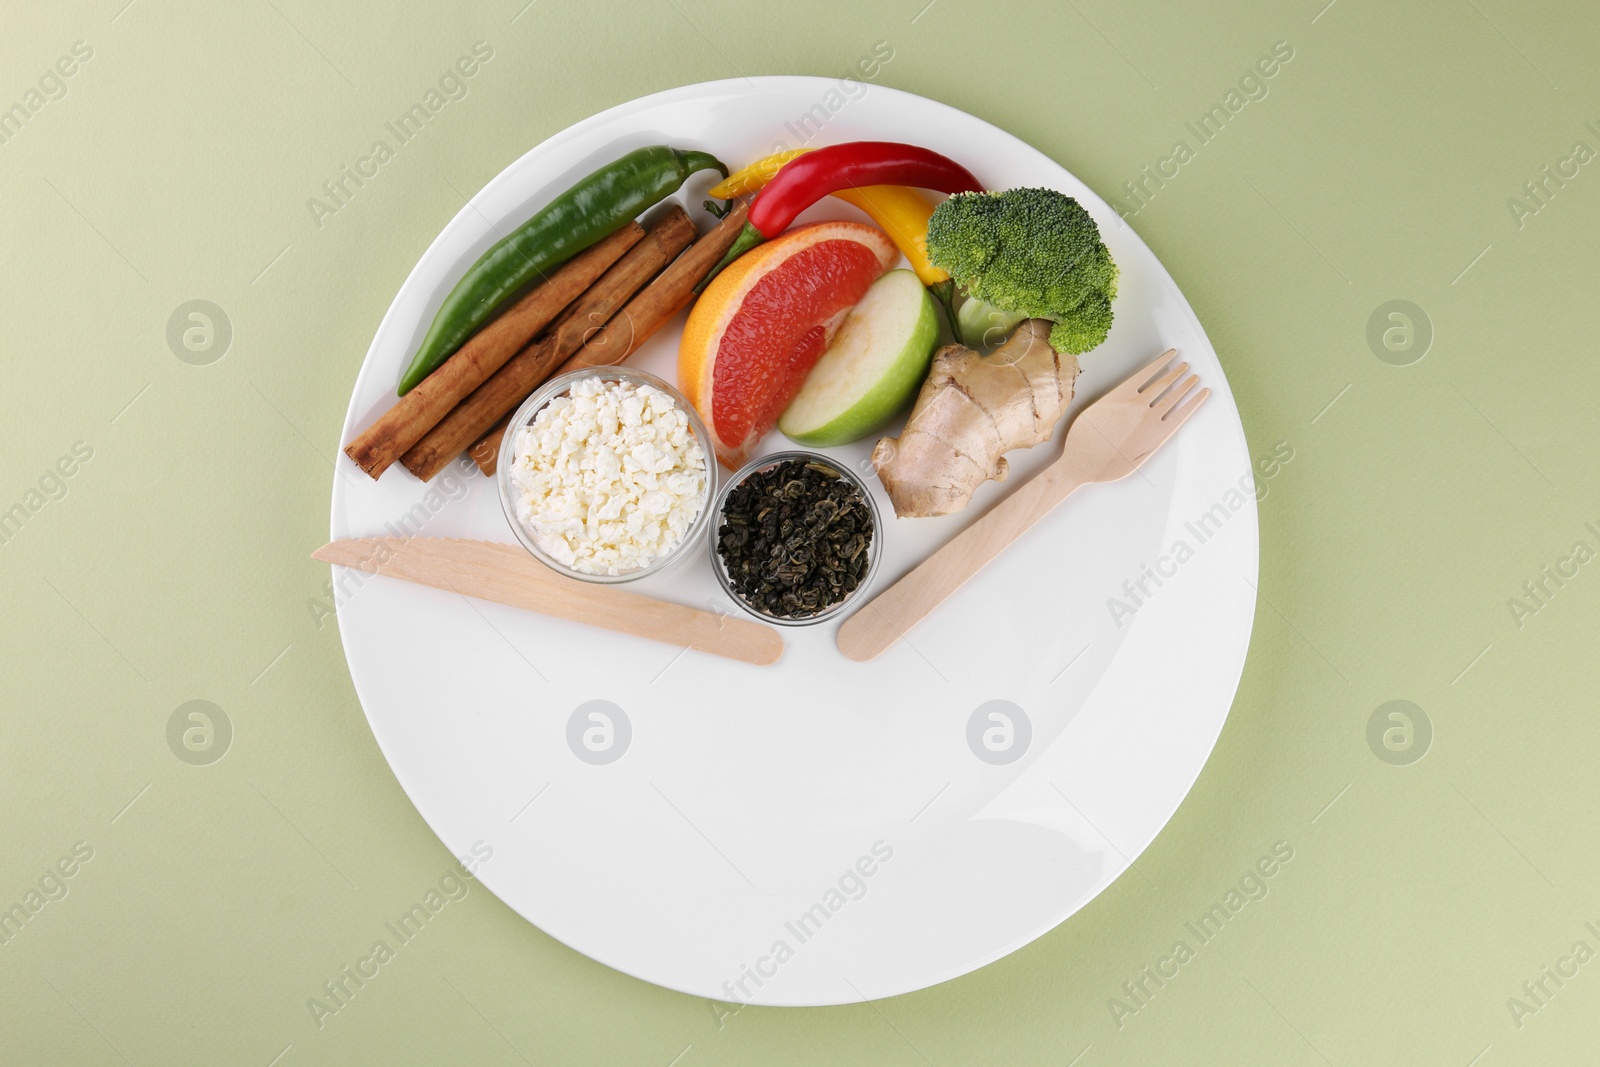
606, 474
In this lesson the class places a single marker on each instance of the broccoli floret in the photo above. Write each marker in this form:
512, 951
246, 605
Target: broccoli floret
1035, 252
1085, 327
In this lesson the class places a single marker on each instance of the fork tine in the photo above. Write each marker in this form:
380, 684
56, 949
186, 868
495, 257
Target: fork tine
1158, 387
1178, 416
1175, 395
1141, 379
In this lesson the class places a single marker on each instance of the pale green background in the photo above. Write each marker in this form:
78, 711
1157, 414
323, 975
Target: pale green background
1379, 167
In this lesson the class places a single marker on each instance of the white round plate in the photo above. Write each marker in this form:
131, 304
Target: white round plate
819, 831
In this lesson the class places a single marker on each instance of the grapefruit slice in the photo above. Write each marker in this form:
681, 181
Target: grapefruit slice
763, 323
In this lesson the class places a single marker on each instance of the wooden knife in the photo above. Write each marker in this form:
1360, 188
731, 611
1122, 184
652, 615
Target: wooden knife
507, 574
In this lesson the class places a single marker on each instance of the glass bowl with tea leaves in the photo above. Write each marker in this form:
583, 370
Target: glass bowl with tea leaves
797, 538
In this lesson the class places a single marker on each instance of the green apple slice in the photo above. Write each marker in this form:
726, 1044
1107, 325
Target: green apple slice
873, 368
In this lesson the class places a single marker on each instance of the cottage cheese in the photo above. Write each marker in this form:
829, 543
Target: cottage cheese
608, 477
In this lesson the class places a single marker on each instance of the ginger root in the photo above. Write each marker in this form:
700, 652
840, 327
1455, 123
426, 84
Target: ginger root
972, 410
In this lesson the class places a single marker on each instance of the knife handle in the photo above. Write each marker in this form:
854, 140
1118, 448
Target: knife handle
506, 574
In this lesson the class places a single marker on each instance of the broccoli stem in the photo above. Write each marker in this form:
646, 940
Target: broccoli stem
945, 293
984, 326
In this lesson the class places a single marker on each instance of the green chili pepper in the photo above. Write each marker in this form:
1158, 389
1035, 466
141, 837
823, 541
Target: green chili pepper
596, 207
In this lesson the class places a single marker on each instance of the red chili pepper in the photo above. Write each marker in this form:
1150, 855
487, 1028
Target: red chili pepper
806, 179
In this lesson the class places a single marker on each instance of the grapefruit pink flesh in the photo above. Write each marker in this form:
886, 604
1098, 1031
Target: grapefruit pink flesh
782, 328
783, 323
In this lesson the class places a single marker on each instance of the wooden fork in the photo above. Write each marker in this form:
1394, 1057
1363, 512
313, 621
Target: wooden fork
1108, 440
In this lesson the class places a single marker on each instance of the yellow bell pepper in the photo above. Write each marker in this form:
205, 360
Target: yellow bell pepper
902, 212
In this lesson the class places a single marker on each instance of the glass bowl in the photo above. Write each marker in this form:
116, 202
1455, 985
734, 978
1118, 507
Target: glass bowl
559, 386
874, 548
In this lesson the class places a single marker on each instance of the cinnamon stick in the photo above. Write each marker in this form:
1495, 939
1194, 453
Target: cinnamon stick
634, 324
523, 373
660, 300
485, 451
485, 352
